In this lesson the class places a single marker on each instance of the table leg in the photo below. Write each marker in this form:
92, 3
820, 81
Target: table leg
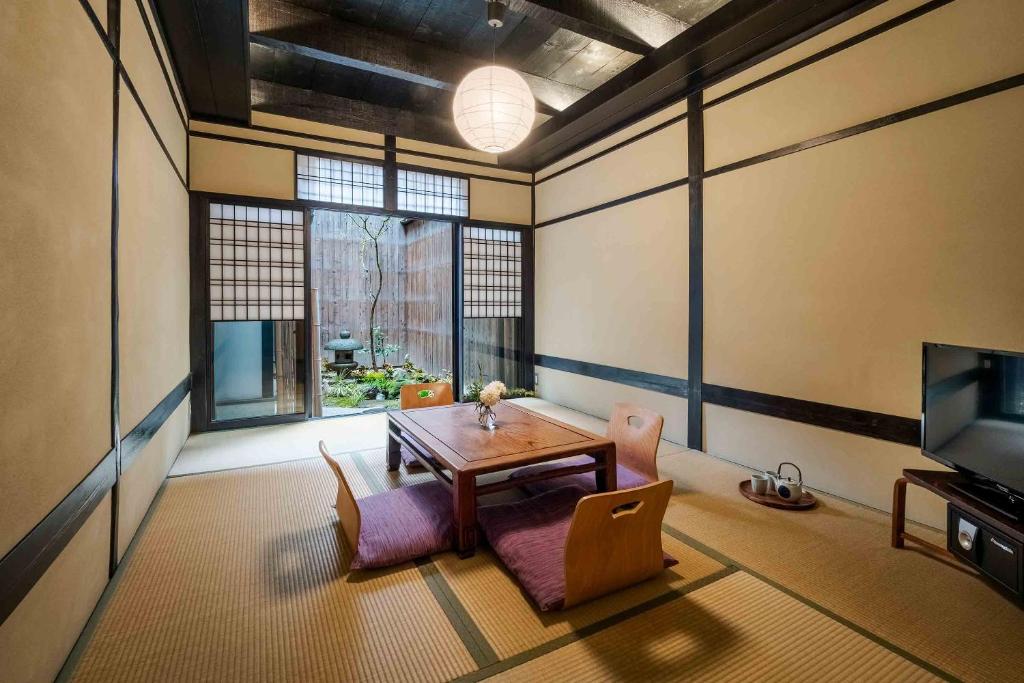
607, 476
394, 450
899, 509
464, 492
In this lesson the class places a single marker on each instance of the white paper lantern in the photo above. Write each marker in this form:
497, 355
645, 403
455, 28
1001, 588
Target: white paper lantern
494, 109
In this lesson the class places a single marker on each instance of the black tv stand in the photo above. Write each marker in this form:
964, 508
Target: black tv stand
978, 533
988, 494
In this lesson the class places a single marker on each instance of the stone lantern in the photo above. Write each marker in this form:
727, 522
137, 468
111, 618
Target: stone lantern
343, 348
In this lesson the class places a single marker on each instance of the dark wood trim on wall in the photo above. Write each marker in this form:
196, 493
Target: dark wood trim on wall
326, 153
139, 437
829, 51
163, 67
913, 112
390, 174
27, 561
902, 430
882, 121
457, 291
614, 148
373, 211
529, 300
114, 35
695, 353
199, 305
173, 67
355, 143
615, 202
113, 51
663, 384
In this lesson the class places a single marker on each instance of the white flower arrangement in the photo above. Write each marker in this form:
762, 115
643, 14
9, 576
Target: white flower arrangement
489, 397
491, 394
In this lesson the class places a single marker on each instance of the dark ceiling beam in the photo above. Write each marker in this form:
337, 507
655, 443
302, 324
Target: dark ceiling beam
736, 36
283, 26
625, 24
285, 100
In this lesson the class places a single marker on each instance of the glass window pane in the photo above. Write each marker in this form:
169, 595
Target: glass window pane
258, 369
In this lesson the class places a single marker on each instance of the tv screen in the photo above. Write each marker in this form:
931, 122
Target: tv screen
974, 412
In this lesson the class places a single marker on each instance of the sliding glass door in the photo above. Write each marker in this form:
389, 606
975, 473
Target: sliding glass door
256, 298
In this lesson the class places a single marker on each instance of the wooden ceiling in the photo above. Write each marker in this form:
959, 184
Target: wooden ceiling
391, 66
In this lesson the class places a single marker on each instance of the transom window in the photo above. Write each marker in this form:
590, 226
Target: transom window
432, 193
492, 273
339, 181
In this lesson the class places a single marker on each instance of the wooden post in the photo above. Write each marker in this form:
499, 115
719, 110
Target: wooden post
899, 509
314, 323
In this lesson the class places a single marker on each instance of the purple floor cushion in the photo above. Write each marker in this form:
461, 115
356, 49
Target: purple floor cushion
403, 524
410, 461
529, 537
627, 478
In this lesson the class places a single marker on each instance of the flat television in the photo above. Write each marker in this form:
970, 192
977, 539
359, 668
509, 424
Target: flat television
973, 420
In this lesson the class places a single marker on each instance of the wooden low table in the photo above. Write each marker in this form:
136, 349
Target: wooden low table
452, 445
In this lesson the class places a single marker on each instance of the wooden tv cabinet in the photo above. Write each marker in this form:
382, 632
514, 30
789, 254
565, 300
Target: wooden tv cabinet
1005, 533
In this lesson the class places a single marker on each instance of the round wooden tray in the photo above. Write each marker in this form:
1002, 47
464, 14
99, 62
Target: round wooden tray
806, 502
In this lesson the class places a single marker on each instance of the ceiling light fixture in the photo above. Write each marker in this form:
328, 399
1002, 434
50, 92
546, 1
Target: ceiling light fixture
493, 107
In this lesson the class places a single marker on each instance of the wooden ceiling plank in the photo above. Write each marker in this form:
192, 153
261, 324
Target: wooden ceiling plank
624, 24
289, 28
284, 100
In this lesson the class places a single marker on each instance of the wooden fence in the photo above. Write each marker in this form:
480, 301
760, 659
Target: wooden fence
414, 310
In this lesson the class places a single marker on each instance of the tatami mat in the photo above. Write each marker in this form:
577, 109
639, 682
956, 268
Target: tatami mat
512, 624
838, 555
237, 578
735, 629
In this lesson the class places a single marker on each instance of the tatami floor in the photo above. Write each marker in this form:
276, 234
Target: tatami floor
237, 576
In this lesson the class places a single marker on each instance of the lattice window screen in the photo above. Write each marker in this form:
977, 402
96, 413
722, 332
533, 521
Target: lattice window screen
257, 269
492, 267
340, 181
433, 193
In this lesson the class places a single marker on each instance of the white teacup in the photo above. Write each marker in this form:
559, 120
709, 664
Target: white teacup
759, 483
771, 476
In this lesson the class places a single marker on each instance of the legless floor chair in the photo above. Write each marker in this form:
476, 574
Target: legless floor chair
566, 547
636, 432
395, 526
425, 395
